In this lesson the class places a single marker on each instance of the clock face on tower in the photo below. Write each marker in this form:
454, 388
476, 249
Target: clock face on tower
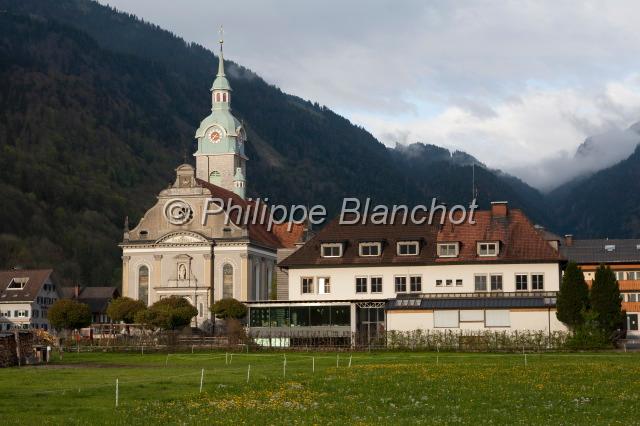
214, 134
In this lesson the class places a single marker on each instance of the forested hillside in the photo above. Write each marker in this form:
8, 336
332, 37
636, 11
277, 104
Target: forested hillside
98, 108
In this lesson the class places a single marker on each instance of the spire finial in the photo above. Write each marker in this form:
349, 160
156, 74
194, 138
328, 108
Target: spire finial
221, 57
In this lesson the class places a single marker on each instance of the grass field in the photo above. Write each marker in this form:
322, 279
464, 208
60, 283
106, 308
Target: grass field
374, 388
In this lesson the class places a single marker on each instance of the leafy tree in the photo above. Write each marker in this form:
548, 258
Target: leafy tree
229, 308
170, 313
124, 309
606, 303
67, 314
573, 298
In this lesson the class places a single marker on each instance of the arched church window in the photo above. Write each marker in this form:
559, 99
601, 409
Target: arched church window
227, 281
214, 177
217, 97
143, 284
224, 97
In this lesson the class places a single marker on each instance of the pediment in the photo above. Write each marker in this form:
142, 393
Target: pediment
182, 238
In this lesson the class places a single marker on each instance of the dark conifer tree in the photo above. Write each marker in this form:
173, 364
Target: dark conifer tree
605, 300
573, 298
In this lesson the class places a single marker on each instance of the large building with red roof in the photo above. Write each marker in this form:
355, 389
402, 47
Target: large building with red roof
495, 272
178, 249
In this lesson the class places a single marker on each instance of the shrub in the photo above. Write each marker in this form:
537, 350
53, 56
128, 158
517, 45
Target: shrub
229, 308
170, 313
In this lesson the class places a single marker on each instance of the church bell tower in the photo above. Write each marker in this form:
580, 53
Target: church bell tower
220, 157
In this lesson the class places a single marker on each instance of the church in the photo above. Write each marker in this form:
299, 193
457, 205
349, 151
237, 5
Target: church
173, 251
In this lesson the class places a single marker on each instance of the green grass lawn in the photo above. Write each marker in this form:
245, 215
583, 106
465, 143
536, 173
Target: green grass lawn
376, 388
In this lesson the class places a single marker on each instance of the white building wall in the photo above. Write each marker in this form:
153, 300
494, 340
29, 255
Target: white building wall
521, 320
343, 278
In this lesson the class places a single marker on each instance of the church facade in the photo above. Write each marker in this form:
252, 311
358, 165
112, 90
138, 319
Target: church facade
172, 251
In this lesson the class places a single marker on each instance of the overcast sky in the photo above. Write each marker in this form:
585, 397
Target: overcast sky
518, 84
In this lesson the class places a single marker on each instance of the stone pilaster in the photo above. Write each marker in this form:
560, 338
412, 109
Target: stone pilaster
244, 273
125, 276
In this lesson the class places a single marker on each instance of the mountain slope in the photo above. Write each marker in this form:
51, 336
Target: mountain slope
605, 204
98, 108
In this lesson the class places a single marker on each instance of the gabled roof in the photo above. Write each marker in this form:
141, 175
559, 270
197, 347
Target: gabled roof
351, 235
519, 242
603, 251
35, 280
278, 237
97, 298
519, 239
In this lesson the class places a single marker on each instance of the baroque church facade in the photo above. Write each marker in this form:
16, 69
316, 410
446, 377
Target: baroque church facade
172, 251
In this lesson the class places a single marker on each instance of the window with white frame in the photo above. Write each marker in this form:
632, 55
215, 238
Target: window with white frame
438, 283
632, 297
331, 250
488, 249
480, 282
307, 285
449, 283
361, 284
408, 248
448, 249
496, 282
324, 285
400, 284
537, 282
376, 284
18, 283
458, 282
415, 283
370, 249
620, 275
522, 282
633, 275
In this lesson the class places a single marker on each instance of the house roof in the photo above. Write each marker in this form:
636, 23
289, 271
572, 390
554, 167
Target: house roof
603, 251
518, 237
35, 280
277, 237
519, 242
97, 298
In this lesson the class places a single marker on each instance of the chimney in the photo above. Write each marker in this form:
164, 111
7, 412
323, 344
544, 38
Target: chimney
499, 208
568, 239
76, 291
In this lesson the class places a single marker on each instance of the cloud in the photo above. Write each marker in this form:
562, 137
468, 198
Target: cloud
533, 135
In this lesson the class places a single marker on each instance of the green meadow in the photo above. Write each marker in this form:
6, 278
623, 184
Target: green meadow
324, 388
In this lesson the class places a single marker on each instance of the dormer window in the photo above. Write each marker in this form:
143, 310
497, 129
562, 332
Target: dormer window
18, 283
448, 249
331, 250
488, 249
370, 249
408, 248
